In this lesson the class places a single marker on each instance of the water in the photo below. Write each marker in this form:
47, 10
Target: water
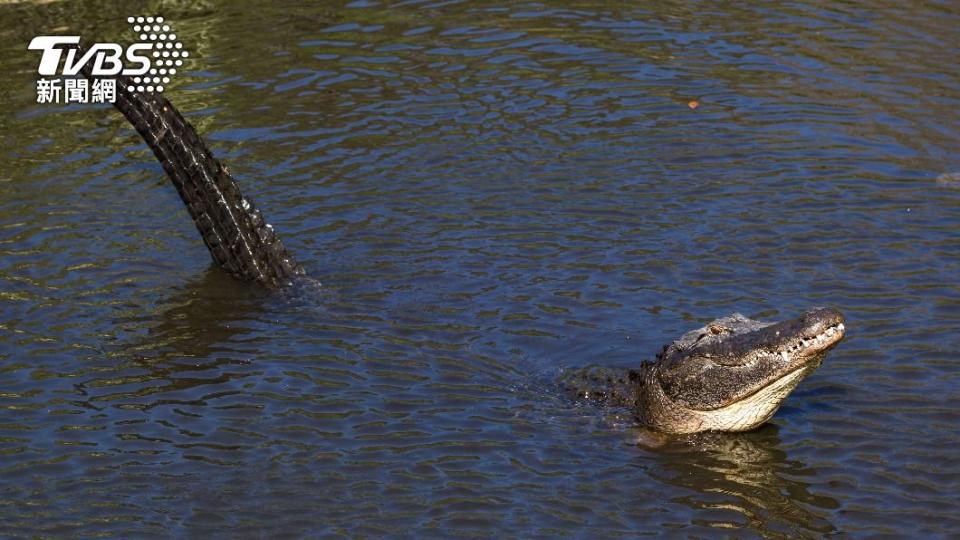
489, 193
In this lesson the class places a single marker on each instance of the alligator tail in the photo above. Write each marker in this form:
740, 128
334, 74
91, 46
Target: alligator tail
236, 233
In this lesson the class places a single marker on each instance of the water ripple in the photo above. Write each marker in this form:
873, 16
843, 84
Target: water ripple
489, 194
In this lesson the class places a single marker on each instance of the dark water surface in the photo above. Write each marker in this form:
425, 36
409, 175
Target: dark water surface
489, 193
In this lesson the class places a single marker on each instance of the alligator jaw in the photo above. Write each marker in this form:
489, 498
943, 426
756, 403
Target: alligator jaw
751, 411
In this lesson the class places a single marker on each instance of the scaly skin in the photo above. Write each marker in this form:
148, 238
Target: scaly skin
239, 238
731, 375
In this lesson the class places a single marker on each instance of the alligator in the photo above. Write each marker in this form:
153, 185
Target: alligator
730, 375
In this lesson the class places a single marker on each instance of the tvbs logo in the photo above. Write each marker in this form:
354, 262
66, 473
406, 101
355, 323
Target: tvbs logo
150, 62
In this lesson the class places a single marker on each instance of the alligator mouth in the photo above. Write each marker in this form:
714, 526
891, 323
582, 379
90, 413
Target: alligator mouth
816, 343
812, 348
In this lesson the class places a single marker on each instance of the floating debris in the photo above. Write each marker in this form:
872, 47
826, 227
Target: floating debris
951, 179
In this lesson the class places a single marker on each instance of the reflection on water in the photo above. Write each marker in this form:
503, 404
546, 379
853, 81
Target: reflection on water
489, 193
745, 481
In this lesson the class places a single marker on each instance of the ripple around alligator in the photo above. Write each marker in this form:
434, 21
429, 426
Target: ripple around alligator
489, 194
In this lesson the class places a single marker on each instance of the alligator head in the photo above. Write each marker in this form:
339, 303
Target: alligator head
733, 374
